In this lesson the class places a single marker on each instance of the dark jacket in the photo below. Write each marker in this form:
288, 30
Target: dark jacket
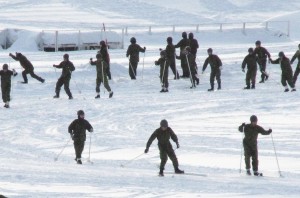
194, 46
134, 52
67, 68
163, 138
6, 77
24, 62
214, 61
190, 58
104, 54
251, 132
183, 43
78, 129
164, 65
101, 67
262, 53
285, 65
251, 61
170, 51
296, 55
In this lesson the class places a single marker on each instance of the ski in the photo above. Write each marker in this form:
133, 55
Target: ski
188, 173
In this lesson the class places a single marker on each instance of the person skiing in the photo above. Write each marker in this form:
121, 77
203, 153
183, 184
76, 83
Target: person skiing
6, 75
163, 62
251, 132
77, 130
262, 54
170, 51
163, 135
190, 59
101, 67
287, 71
250, 60
133, 51
216, 67
297, 71
67, 69
182, 44
28, 67
105, 55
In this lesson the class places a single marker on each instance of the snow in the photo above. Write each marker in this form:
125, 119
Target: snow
34, 130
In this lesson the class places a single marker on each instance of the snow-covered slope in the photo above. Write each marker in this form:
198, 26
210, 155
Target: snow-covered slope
34, 130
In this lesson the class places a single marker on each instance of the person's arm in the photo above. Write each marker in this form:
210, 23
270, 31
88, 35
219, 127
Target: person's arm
205, 64
151, 139
59, 66
71, 66
128, 51
267, 53
219, 62
244, 63
263, 131
71, 128
295, 56
13, 56
277, 61
174, 137
88, 126
241, 128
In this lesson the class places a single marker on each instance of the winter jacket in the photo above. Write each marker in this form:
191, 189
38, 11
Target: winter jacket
262, 53
182, 44
134, 52
214, 61
170, 51
164, 65
163, 138
250, 61
194, 46
190, 58
78, 129
25, 63
104, 54
6, 77
296, 55
67, 68
251, 132
101, 67
285, 65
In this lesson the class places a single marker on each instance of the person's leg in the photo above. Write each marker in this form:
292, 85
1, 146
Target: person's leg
67, 87
24, 74
59, 84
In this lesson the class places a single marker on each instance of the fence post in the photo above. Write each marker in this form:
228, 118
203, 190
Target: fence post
244, 28
56, 41
122, 38
79, 36
149, 30
221, 27
197, 28
288, 28
267, 25
126, 31
173, 29
6, 40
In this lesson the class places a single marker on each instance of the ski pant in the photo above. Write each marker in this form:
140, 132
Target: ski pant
78, 146
174, 70
166, 152
164, 73
32, 74
287, 77
132, 69
262, 66
63, 80
184, 66
297, 71
215, 73
105, 82
251, 151
250, 77
5, 88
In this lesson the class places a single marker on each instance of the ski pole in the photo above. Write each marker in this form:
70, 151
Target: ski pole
102, 65
276, 156
143, 66
89, 159
163, 75
191, 78
241, 151
77, 86
132, 69
130, 161
56, 158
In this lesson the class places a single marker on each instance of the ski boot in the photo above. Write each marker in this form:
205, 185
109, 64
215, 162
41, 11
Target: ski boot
248, 87
111, 94
248, 172
97, 96
56, 96
178, 171
258, 174
293, 90
253, 87
211, 89
161, 173
79, 161
286, 90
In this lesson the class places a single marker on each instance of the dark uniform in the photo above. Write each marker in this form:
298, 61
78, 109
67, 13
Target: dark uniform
133, 51
251, 132
101, 67
287, 71
105, 55
6, 84
67, 69
163, 62
28, 67
190, 59
194, 45
215, 64
250, 60
170, 51
297, 70
182, 44
163, 135
262, 54
77, 130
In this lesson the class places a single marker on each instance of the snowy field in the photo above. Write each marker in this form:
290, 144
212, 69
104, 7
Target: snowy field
34, 130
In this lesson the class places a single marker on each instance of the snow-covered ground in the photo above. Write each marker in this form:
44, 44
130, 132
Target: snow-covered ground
34, 130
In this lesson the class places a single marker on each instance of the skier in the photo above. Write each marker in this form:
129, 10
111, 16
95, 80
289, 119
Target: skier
287, 71
170, 51
216, 67
190, 59
133, 51
6, 83
250, 60
163, 62
182, 44
251, 132
105, 55
101, 67
163, 135
297, 71
262, 54
77, 130
28, 67
193, 44
67, 69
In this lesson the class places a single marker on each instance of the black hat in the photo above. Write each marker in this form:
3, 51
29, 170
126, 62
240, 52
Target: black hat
169, 39
164, 123
184, 35
257, 43
250, 50
133, 40
209, 50
80, 112
66, 56
253, 118
103, 43
281, 54
163, 53
5, 67
191, 35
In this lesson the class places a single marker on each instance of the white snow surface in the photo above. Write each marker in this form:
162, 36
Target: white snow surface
34, 130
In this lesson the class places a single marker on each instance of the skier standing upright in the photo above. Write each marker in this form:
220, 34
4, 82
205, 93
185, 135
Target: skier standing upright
6, 75
163, 62
262, 55
105, 56
250, 60
170, 51
182, 45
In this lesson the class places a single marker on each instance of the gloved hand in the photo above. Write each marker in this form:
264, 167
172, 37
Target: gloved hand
91, 130
54, 65
177, 144
243, 70
269, 60
146, 150
145, 48
270, 130
10, 54
72, 135
244, 124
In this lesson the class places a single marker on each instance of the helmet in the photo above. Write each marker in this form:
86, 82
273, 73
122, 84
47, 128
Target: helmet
164, 123
191, 35
66, 56
5, 67
253, 118
209, 50
250, 50
133, 40
281, 54
80, 112
169, 39
163, 53
188, 48
103, 43
257, 43
184, 35
98, 56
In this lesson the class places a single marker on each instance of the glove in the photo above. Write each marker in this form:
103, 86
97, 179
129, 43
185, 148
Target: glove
146, 150
177, 144
10, 54
243, 70
91, 130
145, 48
270, 130
72, 135
54, 65
269, 60
244, 124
